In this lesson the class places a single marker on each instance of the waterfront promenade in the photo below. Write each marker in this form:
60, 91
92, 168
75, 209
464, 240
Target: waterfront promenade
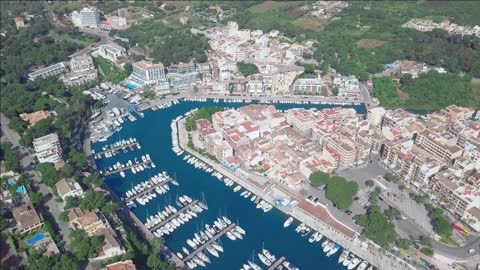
374, 254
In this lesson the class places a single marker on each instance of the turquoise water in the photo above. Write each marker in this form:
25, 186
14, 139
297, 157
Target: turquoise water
131, 86
263, 229
36, 239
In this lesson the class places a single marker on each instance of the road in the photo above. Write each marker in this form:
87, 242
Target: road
50, 206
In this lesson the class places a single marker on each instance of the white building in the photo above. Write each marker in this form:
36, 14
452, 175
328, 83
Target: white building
82, 71
81, 63
112, 51
52, 70
87, 17
145, 72
375, 116
48, 148
308, 86
69, 187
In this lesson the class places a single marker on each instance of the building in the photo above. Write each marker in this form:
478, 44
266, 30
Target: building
48, 148
27, 218
112, 247
81, 63
19, 22
147, 73
308, 86
114, 22
123, 265
90, 222
302, 120
68, 187
443, 146
78, 78
112, 51
52, 70
88, 17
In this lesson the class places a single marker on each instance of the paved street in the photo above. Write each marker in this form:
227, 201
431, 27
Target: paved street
51, 208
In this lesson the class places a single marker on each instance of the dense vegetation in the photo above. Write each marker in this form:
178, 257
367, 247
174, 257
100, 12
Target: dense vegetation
376, 226
167, 44
247, 69
202, 113
111, 72
7, 154
439, 222
338, 189
429, 91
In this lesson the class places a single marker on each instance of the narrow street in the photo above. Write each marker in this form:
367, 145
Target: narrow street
50, 206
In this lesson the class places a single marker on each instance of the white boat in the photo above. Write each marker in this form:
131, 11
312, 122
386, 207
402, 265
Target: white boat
312, 237
254, 265
227, 220
288, 222
334, 250
237, 188
185, 250
264, 259
329, 246
179, 255
354, 263
231, 236
362, 266
269, 256
348, 260
343, 256
212, 251
217, 247
122, 174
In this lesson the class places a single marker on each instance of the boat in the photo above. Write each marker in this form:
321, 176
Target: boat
264, 259
237, 188
122, 174
179, 255
306, 231
217, 246
269, 256
343, 256
231, 236
254, 265
312, 237
191, 244
288, 222
348, 260
354, 263
334, 250
362, 266
185, 250
212, 251
329, 246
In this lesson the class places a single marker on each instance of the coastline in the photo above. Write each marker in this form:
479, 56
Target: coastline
374, 254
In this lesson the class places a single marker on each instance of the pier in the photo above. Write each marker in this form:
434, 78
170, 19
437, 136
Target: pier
147, 190
127, 167
277, 263
175, 215
109, 149
214, 238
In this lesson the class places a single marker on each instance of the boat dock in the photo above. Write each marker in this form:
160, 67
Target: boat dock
110, 149
214, 238
147, 190
175, 215
127, 168
277, 263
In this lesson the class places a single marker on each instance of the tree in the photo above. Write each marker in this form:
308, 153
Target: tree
110, 208
392, 213
319, 178
155, 262
376, 226
442, 227
36, 198
84, 246
157, 244
247, 69
71, 202
426, 241
341, 192
370, 183
403, 243
93, 179
78, 158
48, 173
12, 161
93, 200
427, 251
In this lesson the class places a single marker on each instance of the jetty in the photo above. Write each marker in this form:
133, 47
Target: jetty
210, 241
175, 215
277, 263
133, 197
147, 163
110, 149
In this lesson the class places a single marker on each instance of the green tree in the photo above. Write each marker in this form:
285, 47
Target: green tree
319, 178
370, 183
427, 251
155, 262
84, 246
403, 243
393, 213
12, 161
341, 192
48, 173
93, 179
93, 200
78, 158
247, 69
157, 244
376, 226
71, 202
36, 198
110, 208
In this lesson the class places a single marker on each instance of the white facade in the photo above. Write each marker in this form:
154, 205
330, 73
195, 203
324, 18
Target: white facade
112, 51
308, 85
147, 73
52, 70
89, 17
48, 148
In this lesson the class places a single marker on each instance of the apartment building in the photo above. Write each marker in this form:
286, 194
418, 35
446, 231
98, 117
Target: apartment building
81, 63
88, 17
45, 72
27, 218
122, 265
301, 119
112, 247
308, 86
68, 187
90, 222
441, 145
112, 51
147, 73
48, 148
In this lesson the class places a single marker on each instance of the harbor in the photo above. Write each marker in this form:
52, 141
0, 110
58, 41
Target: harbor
136, 166
196, 181
175, 215
147, 190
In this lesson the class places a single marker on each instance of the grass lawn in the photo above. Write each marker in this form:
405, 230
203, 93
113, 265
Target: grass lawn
449, 241
112, 73
476, 92
314, 24
369, 43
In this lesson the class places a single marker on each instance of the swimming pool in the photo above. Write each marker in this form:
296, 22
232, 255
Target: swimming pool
35, 239
21, 189
131, 86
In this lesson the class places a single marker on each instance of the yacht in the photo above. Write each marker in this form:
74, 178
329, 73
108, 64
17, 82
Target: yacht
354, 263
264, 259
329, 246
217, 246
334, 250
254, 265
269, 256
348, 260
288, 222
185, 250
212, 251
363, 266
313, 237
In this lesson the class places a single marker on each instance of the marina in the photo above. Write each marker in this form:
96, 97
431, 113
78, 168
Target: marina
113, 149
143, 192
133, 167
158, 141
175, 215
